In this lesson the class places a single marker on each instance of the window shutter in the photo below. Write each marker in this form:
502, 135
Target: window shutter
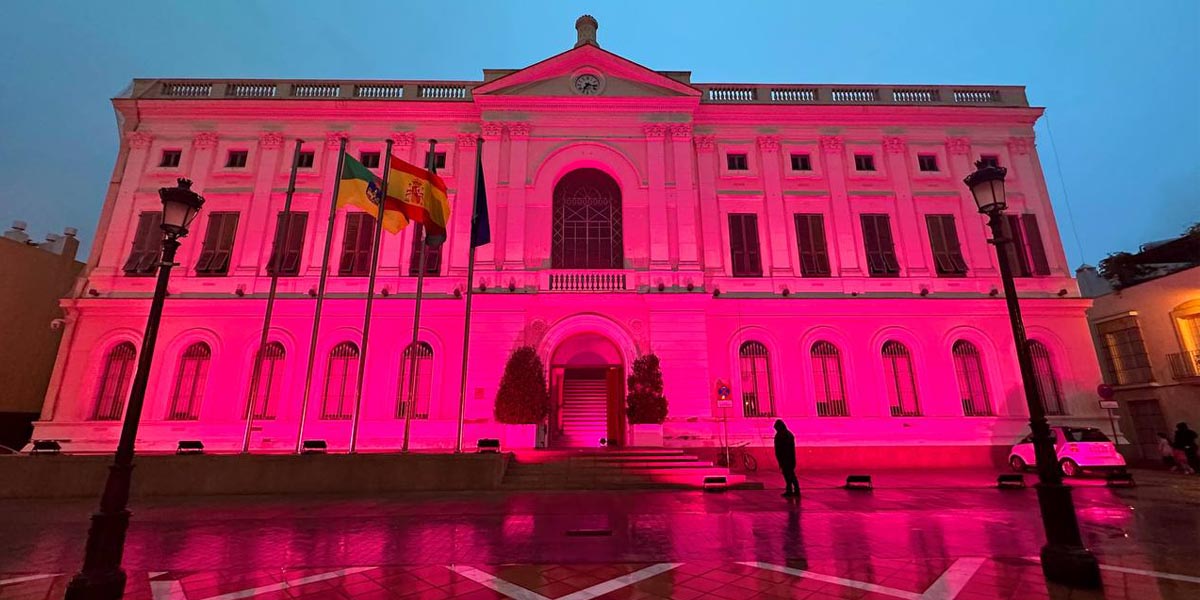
1037, 250
288, 244
366, 242
1015, 248
881, 252
209, 247
224, 251
433, 254
810, 237
943, 241
349, 244
743, 245
147, 245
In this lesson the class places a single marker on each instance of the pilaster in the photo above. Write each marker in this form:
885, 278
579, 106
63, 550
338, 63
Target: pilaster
710, 214
124, 218
459, 240
656, 175
399, 246
1022, 151
319, 227
514, 239
204, 148
776, 226
257, 227
833, 151
916, 262
981, 260
485, 256
685, 191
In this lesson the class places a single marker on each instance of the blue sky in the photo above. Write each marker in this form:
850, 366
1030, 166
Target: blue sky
1121, 80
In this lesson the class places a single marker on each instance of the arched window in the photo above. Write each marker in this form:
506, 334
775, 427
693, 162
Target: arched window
587, 222
757, 400
114, 382
901, 381
188, 390
265, 390
828, 381
340, 379
1047, 380
972, 386
423, 383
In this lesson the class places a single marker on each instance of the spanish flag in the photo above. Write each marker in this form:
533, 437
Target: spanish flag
360, 187
418, 195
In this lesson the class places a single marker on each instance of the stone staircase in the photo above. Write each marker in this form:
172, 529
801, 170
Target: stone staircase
584, 413
609, 469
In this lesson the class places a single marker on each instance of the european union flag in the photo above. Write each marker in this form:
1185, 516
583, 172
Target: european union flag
481, 229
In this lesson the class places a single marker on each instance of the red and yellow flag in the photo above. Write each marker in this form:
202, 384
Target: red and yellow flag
420, 196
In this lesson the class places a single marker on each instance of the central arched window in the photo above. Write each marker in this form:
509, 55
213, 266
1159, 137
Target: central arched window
901, 381
828, 382
423, 384
587, 222
1046, 379
190, 379
114, 382
968, 368
757, 400
264, 391
340, 379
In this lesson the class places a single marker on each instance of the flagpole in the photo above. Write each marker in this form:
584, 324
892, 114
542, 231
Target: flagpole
409, 404
366, 331
273, 268
462, 384
312, 346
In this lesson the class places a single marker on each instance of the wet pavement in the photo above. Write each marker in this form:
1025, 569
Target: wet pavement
917, 536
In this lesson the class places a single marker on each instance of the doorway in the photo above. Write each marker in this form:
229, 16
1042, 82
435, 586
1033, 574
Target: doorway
587, 385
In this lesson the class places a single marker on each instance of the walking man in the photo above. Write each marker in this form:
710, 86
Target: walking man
785, 455
1185, 439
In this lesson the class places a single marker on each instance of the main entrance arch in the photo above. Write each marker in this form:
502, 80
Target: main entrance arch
588, 356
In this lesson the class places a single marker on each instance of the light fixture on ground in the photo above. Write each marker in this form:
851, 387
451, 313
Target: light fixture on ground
1064, 558
102, 577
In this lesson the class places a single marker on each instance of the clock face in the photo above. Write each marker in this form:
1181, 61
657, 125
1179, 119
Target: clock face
587, 84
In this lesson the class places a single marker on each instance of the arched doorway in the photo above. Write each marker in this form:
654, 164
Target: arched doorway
587, 222
587, 384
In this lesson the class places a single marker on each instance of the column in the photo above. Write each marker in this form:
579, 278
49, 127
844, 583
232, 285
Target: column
204, 148
485, 257
776, 225
710, 214
514, 235
318, 229
257, 226
685, 191
843, 219
916, 262
459, 240
1023, 154
656, 174
981, 259
124, 216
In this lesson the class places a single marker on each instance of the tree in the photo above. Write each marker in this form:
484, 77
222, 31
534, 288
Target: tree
646, 404
1122, 269
522, 398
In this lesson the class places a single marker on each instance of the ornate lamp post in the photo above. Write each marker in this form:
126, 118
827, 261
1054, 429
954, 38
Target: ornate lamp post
102, 577
1064, 558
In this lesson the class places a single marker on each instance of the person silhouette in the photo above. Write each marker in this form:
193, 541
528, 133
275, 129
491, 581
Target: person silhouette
785, 455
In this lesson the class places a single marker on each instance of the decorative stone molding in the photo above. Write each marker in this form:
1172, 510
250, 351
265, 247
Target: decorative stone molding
958, 145
466, 140
705, 143
270, 140
1020, 145
404, 139
517, 130
894, 145
681, 131
654, 131
492, 129
831, 143
768, 143
333, 139
535, 331
138, 139
205, 139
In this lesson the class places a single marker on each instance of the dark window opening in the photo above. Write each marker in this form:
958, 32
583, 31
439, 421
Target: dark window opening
369, 160
587, 224
439, 160
990, 160
927, 162
737, 162
236, 159
801, 162
864, 162
305, 160
170, 158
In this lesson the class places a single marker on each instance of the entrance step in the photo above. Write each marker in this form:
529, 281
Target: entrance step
639, 468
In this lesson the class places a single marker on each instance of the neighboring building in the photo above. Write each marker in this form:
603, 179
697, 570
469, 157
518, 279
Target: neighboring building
33, 277
813, 245
1148, 338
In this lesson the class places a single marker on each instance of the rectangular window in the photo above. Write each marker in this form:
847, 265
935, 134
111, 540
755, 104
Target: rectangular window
1025, 252
170, 158
864, 162
801, 162
943, 240
305, 160
439, 160
217, 250
358, 242
369, 160
881, 251
737, 162
236, 159
927, 162
743, 245
989, 160
810, 237
147, 246
288, 245
433, 254
1123, 352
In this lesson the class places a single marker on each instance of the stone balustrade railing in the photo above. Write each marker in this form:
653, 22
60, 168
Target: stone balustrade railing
585, 281
460, 91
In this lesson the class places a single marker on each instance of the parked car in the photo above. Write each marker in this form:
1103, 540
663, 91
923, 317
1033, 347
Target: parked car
1079, 449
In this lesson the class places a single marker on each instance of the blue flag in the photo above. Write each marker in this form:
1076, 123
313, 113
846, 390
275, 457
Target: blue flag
481, 229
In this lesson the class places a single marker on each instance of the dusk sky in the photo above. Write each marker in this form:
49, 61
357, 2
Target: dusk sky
1120, 80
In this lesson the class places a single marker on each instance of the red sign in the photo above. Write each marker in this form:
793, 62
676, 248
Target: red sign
1105, 391
722, 390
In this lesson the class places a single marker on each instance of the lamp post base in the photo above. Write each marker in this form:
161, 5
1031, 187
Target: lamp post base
106, 586
102, 577
1072, 566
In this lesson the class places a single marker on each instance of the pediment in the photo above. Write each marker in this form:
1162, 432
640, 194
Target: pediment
556, 76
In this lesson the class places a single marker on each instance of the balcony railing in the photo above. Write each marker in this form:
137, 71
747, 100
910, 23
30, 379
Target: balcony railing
1185, 365
586, 281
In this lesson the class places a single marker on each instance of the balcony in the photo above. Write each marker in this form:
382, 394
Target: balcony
586, 281
1185, 366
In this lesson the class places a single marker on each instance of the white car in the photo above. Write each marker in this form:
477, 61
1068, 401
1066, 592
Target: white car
1078, 448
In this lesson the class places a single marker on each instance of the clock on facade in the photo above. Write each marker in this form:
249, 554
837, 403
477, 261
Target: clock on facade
587, 84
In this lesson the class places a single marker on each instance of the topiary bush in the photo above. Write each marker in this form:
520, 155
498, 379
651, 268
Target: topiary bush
645, 403
523, 398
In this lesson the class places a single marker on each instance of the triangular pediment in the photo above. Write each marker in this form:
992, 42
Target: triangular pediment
558, 75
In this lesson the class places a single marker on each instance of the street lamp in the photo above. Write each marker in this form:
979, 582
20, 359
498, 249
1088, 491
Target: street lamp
1064, 558
102, 577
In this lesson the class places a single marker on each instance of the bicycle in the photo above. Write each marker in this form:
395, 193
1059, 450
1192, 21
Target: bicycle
739, 455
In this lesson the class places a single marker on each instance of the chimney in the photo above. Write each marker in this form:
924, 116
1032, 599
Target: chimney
1091, 283
585, 31
17, 233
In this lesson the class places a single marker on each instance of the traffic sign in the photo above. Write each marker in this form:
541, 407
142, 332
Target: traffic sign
723, 400
1110, 404
1105, 391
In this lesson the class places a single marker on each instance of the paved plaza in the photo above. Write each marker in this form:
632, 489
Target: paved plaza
917, 536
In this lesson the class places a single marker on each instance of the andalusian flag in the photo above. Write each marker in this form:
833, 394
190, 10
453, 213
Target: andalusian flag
420, 196
360, 187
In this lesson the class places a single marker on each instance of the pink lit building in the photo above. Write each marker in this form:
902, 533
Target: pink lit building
811, 245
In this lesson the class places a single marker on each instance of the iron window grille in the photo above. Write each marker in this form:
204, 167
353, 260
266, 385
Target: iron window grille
424, 381
829, 381
1049, 389
115, 378
1123, 352
587, 228
264, 392
190, 380
757, 397
901, 380
972, 385
340, 377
